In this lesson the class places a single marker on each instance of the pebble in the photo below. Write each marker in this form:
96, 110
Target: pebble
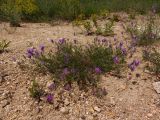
91, 110
156, 86
97, 109
1, 80
112, 101
149, 115
5, 103
64, 110
66, 102
90, 117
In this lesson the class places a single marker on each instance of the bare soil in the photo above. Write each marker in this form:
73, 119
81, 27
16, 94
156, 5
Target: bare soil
128, 98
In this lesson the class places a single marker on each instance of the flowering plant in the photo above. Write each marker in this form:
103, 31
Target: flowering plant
71, 61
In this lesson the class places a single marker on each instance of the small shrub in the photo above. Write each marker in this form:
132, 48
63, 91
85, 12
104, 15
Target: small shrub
145, 34
94, 18
3, 45
153, 57
115, 18
108, 31
92, 27
74, 62
35, 90
11, 12
104, 14
88, 27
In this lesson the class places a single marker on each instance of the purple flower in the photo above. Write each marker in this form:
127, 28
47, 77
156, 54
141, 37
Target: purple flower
116, 59
73, 70
154, 8
136, 62
121, 44
42, 48
66, 58
115, 39
42, 62
29, 55
67, 87
62, 77
14, 59
50, 98
98, 70
30, 50
104, 40
124, 51
36, 53
52, 86
62, 40
66, 71
132, 67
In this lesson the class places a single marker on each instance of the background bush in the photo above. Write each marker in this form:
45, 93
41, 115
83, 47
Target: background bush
70, 9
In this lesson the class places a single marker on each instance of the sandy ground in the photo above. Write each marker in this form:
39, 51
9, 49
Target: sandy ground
127, 99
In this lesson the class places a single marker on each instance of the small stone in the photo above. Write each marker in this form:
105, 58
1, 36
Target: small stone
66, 102
146, 71
95, 115
97, 109
90, 117
156, 86
83, 117
64, 110
1, 80
5, 103
112, 101
91, 110
134, 82
149, 115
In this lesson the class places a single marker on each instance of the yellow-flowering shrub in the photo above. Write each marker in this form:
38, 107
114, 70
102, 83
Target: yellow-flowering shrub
27, 7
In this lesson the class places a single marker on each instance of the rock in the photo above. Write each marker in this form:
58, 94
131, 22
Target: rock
149, 115
146, 71
66, 102
1, 80
64, 110
90, 117
97, 109
112, 101
5, 103
91, 110
83, 117
156, 86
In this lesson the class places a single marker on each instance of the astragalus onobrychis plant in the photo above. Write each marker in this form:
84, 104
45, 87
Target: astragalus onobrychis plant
145, 33
70, 61
153, 57
3, 45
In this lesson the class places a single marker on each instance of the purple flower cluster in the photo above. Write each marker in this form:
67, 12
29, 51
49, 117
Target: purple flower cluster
52, 86
66, 71
42, 48
61, 40
50, 98
30, 52
33, 52
116, 59
134, 64
98, 70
